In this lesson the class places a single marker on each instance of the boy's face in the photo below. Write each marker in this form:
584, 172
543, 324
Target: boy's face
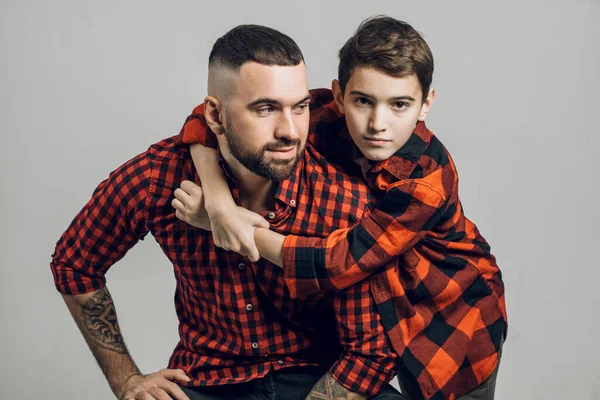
381, 110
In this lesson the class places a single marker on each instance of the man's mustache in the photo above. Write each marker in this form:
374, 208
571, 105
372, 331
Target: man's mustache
282, 143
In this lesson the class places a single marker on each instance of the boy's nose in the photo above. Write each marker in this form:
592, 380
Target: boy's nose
377, 122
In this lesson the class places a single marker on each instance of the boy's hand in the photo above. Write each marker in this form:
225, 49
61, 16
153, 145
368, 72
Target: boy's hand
232, 227
189, 205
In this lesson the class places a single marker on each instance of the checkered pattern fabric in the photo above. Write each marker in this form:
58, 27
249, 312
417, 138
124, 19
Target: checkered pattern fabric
236, 318
437, 286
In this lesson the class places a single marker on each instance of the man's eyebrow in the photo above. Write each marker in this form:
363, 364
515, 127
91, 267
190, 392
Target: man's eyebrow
359, 93
264, 101
268, 101
304, 100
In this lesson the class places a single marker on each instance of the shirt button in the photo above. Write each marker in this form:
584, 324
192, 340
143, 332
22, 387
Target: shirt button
293, 202
271, 215
254, 345
241, 266
249, 307
280, 362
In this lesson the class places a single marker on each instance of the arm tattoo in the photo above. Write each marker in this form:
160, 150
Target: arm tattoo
100, 322
328, 388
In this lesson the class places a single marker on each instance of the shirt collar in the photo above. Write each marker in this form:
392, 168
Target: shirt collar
286, 190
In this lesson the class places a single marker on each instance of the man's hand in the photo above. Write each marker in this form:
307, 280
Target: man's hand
156, 386
232, 227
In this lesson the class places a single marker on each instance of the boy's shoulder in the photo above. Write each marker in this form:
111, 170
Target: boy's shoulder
435, 156
425, 160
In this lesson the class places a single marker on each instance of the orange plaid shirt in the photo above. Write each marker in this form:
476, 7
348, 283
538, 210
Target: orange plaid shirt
437, 286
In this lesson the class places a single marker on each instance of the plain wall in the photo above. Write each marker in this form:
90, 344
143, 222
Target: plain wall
86, 85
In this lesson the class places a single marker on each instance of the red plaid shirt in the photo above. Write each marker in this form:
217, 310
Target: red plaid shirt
437, 286
236, 318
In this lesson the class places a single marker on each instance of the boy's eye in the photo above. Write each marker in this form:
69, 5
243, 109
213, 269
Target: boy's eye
362, 101
400, 105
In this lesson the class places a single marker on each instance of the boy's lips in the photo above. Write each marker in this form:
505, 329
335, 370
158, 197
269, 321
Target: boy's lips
376, 141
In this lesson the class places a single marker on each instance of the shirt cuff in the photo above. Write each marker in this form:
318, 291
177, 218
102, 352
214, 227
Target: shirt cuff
196, 130
362, 375
298, 266
71, 281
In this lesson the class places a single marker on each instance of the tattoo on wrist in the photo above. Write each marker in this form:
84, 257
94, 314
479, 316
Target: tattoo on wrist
329, 388
100, 322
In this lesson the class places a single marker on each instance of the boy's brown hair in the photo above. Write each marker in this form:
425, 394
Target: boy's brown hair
389, 45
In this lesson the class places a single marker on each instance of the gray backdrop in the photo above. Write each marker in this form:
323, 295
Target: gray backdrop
86, 85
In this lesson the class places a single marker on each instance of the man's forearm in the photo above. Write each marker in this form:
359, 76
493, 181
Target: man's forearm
329, 388
96, 317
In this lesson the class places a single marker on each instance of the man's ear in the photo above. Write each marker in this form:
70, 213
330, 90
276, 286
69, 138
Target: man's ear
338, 95
214, 115
427, 104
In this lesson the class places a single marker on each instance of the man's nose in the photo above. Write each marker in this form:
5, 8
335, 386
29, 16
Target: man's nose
286, 126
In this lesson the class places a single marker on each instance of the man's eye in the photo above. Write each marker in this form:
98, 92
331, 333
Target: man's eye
302, 107
265, 110
400, 105
362, 101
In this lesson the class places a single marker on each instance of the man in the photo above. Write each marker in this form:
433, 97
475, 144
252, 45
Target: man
240, 334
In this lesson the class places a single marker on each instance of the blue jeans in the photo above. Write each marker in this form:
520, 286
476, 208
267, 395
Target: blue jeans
289, 384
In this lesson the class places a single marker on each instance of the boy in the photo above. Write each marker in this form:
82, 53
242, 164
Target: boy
437, 286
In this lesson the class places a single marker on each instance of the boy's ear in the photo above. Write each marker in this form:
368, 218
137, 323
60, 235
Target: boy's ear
213, 114
338, 96
427, 104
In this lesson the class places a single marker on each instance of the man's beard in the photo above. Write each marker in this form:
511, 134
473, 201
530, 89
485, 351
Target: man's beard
276, 170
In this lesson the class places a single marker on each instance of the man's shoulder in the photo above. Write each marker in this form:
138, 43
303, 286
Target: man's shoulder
170, 162
164, 164
168, 149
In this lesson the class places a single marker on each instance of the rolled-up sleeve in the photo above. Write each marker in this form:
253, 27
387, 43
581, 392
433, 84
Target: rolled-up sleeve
405, 214
196, 130
112, 222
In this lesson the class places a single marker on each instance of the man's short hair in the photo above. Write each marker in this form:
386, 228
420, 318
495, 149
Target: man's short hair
389, 45
263, 45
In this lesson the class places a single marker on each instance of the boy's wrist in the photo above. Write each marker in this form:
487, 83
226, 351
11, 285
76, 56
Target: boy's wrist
219, 207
